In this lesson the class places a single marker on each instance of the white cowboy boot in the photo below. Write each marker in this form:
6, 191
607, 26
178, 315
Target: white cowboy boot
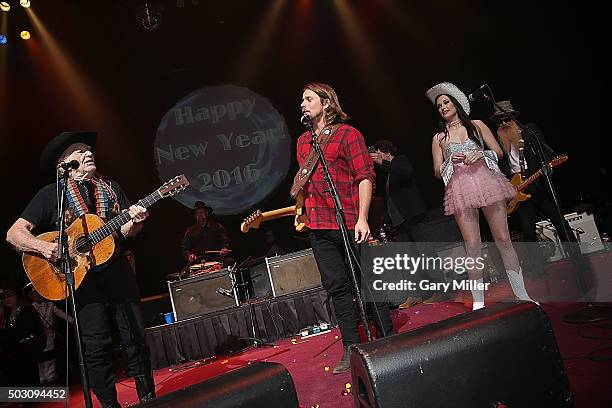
478, 296
518, 285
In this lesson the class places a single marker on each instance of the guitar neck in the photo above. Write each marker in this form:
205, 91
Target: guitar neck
555, 162
279, 213
116, 223
530, 179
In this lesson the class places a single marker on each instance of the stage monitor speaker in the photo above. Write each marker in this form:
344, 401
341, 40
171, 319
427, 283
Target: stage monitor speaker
502, 355
293, 272
441, 228
198, 295
259, 384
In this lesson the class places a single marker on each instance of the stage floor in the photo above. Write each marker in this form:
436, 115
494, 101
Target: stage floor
586, 351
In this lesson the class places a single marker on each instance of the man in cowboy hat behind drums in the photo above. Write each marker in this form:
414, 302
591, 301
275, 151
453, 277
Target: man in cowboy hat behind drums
206, 239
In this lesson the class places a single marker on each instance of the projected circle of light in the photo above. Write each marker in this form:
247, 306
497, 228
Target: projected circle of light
231, 143
4, 6
25, 35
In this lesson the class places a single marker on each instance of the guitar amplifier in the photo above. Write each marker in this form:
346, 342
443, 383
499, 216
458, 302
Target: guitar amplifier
293, 272
199, 295
584, 228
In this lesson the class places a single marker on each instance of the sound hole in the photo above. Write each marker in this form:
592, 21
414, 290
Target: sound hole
83, 244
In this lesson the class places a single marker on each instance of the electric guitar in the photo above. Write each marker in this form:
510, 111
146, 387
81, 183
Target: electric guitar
520, 184
253, 220
90, 243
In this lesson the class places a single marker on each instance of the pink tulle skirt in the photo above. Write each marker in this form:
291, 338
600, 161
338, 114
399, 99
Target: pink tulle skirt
476, 186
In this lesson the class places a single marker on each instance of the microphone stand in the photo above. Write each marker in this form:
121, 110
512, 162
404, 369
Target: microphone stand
590, 313
340, 221
64, 258
257, 342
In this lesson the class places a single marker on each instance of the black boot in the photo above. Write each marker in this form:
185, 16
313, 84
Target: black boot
110, 404
145, 387
345, 362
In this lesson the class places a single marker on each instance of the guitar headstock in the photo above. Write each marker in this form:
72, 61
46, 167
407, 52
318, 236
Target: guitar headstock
558, 160
252, 221
174, 186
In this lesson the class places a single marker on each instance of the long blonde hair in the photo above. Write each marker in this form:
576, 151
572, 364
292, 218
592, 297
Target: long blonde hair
334, 112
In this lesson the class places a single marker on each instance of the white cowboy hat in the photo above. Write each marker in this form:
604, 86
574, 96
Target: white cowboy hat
446, 88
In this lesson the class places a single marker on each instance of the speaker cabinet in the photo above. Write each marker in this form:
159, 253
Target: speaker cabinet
293, 272
198, 295
584, 228
259, 384
503, 354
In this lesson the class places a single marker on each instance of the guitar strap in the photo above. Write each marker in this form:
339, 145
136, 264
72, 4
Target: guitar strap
305, 171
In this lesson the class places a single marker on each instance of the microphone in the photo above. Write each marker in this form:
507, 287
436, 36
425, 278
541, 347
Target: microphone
72, 164
225, 292
474, 95
305, 119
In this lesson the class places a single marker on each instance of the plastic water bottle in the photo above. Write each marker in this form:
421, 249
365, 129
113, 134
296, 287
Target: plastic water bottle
605, 239
383, 234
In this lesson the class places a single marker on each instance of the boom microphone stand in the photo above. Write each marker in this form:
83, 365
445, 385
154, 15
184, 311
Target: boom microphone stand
63, 257
590, 313
346, 239
257, 342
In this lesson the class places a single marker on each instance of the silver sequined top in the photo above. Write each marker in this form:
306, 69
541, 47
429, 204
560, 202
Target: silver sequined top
446, 169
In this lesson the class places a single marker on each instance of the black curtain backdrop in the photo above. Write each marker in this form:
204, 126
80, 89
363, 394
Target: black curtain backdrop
547, 59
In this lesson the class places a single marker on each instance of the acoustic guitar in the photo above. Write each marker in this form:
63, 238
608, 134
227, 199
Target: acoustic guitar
253, 220
90, 243
520, 184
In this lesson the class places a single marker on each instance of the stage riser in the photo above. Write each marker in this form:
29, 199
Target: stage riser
217, 333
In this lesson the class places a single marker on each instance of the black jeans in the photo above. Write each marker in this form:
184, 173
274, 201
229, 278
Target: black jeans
328, 249
527, 214
107, 298
94, 319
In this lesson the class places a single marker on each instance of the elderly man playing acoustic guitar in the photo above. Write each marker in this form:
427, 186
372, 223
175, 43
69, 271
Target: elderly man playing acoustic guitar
108, 289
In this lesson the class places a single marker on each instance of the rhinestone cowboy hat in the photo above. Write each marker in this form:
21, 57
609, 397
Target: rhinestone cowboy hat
446, 88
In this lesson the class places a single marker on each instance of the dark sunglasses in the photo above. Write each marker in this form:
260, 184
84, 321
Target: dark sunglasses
504, 120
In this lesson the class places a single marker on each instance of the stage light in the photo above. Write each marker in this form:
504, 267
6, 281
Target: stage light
3, 39
149, 14
24, 3
4, 6
25, 35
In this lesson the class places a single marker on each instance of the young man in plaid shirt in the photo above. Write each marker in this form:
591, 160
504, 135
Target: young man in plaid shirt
352, 170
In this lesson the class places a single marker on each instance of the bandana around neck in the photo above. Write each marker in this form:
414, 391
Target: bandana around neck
104, 198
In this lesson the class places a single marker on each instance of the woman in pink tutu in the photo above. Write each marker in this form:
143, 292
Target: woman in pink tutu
465, 157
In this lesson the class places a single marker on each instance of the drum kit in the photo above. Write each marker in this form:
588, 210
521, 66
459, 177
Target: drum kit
196, 269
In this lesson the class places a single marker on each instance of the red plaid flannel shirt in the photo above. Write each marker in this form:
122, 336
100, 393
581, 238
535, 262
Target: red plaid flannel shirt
349, 163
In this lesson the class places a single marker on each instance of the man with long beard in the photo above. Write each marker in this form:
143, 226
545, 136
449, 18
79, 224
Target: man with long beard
540, 205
